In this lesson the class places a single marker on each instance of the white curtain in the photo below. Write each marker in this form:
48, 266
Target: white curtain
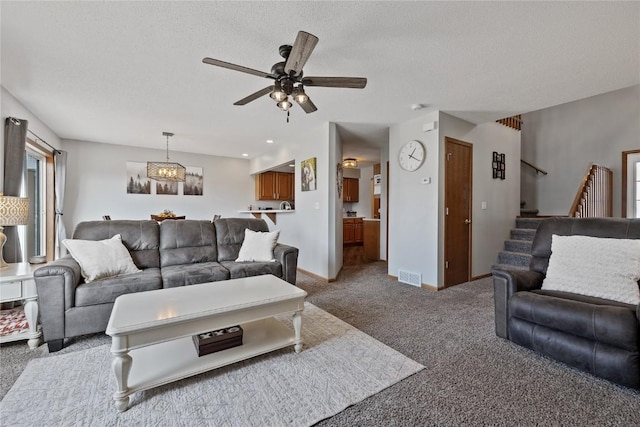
60, 162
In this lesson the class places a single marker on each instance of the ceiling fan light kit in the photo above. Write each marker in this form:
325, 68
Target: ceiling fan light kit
288, 76
166, 171
284, 105
278, 94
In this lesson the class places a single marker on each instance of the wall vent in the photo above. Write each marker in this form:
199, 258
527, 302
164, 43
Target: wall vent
409, 278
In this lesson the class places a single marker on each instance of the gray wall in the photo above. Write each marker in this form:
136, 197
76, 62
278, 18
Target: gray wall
564, 139
416, 234
97, 184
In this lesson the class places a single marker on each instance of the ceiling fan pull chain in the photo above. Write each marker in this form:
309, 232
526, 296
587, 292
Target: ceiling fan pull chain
287, 116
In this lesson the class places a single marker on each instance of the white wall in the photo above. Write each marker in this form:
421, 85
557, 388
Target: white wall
363, 205
11, 107
384, 159
308, 227
413, 206
97, 183
564, 139
335, 241
416, 221
491, 226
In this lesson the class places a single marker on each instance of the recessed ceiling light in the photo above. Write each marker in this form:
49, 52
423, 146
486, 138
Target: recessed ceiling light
269, 141
245, 155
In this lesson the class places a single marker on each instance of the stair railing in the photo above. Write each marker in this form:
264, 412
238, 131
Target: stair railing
534, 167
595, 194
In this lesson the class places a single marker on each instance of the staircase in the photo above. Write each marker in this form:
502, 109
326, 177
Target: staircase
517, 249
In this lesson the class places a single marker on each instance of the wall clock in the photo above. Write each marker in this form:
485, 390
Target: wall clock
412, 155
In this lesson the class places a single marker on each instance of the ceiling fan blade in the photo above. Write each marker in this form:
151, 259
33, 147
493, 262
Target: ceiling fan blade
235, 67
300, 52
348, 82
254, 96
307, 106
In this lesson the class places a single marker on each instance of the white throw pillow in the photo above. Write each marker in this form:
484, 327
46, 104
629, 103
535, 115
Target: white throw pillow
258, 246
101, 258
593, 266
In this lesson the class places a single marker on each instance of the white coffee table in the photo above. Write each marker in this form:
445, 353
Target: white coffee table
152, 331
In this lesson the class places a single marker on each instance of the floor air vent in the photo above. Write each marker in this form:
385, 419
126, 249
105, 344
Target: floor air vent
409, 278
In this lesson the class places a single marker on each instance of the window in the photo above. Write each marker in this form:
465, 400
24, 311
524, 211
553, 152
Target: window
33, 237
636, 189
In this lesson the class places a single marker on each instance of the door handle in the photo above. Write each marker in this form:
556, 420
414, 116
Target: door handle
467, 221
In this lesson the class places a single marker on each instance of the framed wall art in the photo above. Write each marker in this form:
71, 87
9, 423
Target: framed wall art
308, 174
498, 165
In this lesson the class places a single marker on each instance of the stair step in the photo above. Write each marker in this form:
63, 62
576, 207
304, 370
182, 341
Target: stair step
528, 223
514, 258
528, 212
523, 234
522, 246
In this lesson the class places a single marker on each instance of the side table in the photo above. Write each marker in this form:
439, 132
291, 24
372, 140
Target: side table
17, 283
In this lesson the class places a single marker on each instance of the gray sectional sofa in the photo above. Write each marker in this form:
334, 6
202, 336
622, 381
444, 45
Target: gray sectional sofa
172, 253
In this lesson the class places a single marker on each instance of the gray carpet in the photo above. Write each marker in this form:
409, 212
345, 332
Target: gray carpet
338, 367
471, 377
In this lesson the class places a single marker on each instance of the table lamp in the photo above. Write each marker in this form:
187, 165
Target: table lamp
13, 211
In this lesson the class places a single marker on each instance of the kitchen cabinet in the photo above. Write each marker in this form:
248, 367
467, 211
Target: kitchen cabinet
350, 189
352, 230
275, 186
372, 239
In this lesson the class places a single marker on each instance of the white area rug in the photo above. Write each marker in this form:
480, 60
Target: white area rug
338, 367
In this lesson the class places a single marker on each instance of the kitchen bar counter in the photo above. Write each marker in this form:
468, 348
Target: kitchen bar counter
271, 213
372, 239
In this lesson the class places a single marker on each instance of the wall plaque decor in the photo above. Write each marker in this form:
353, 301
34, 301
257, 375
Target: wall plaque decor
498, 165
308, 174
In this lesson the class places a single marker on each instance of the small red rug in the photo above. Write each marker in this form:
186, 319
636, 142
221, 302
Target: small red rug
13, 321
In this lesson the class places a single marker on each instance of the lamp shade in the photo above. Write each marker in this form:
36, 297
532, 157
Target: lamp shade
13, 210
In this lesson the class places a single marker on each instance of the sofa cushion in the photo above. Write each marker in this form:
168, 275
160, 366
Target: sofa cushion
600, 267
187, 242
592, 318
192, 274
101, 258
258, 246
230, 235
141, 237
105, 291
247, 269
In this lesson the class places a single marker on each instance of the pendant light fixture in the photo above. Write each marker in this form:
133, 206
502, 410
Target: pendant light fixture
350, 163
166, 171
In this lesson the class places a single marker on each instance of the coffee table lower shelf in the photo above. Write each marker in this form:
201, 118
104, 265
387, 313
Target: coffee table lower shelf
170, 361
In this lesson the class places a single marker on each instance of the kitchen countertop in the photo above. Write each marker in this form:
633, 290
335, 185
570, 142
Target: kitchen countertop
268, 211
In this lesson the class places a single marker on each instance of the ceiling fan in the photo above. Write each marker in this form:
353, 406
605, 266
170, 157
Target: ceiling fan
288, 76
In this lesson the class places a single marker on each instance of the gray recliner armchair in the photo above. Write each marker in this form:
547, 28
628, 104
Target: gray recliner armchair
596, 335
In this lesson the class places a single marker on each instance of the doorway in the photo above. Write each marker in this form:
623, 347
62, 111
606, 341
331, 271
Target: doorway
457, 219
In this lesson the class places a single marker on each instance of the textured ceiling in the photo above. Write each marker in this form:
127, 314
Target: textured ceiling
123, 72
